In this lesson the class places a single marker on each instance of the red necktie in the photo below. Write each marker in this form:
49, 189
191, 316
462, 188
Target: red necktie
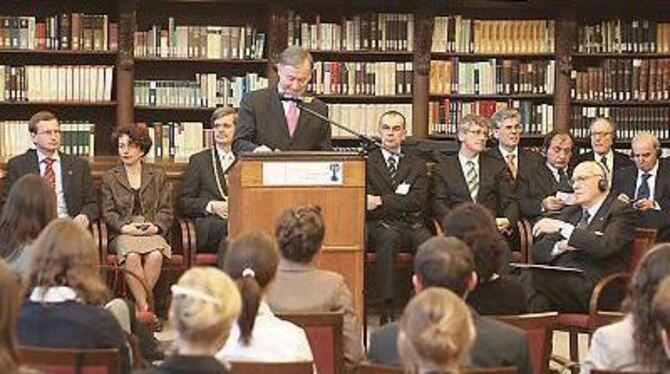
49, 175
292, 118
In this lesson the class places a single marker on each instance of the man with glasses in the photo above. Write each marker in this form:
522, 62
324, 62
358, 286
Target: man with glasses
69, 176
270, 122
588, 240
397, 191
474, 176
648, 184
547, 190
204, 191
603, 131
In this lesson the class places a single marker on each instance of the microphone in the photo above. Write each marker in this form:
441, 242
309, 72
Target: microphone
295, 99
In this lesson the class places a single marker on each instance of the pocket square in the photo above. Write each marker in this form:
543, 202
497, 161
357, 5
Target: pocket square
598, 233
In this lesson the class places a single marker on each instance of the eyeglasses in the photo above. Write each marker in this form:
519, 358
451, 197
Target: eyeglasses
601, 134
516, 128
478, 132
49, 132
583, 178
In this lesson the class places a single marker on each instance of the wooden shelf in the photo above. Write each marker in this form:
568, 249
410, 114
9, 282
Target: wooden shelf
263, 61
620, 102
363, 53
493, 97
621, 55
59, 103
529, 137
480, 56
354, 56
56, 52
365, 98
166, 108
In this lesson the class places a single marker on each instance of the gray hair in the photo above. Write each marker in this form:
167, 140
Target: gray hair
502, 115
295, 56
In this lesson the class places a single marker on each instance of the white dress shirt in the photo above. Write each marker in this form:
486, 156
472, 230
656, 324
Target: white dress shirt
61, 207
651, 181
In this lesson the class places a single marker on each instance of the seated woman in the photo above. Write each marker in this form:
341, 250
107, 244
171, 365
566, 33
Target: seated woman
435, 332
300, 233
496, 293
66, 294
30, 206
137, 208
634, 344
252, 260
205, 305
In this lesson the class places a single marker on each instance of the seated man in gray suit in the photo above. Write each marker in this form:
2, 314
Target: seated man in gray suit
447, 262
204, 191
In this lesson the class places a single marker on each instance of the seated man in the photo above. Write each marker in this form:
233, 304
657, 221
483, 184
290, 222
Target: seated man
69, 176
547, 189
648, 183
447, 262
593, 237
204, 191
397, 191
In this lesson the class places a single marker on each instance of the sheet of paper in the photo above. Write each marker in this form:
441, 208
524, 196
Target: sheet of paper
303, 173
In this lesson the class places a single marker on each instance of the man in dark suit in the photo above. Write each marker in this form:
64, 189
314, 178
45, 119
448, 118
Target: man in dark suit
268, 123
648, 184
447, 262
397, 189
593, 237
204, 190
68, 175
474, 176
547, 189
603, 131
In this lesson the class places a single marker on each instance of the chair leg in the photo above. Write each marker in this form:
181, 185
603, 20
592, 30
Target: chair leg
574, 346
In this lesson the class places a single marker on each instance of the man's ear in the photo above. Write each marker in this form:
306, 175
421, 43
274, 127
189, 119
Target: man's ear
416, 282
472, 282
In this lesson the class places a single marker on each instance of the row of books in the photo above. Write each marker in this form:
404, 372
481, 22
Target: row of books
367, 31
77, 138
207, 91
629, 120
623, 79
364, 118
536, 119
361, 78
493, 76
177, 140
62, 83
624, 36
211, 42
456, 34
70, 31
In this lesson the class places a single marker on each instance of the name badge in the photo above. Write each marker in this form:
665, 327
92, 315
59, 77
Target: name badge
403, 189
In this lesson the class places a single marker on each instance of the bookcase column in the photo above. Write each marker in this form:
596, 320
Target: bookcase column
276, 38
566, 28
423, 32
125, 62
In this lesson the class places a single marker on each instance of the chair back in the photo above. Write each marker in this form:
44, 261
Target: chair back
71, 361
644, 239
272, 367
594, 371
494, 370
539, 328
324, 332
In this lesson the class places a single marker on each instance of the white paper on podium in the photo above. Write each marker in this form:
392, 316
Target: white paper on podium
303, 173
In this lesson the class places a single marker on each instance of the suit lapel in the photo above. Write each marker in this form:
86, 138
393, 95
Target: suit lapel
458, 176
147, 176
380, 167
219, 171
33, 162
121, 176
549, 177
277, 108
66, 175
403, 169
485, 178
598, 222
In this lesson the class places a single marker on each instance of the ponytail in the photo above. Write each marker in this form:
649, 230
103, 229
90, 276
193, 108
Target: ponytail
250, 291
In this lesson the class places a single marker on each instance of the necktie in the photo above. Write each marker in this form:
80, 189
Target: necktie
472, 179
563, 181
292, 118
584, 222
511, 164
644, 192
603, 160
49, 175
393, 169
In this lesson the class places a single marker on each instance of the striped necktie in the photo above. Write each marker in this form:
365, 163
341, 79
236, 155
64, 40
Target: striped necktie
392, 168
49, 174
472, 178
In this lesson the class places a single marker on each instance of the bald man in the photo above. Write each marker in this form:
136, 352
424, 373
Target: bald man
648, 184
594, 237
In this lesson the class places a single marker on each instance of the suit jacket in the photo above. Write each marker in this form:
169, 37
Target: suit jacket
78, 188
602, 248
262, 122
118, 198
621, 161
496, 344
397, 207
327, 292
199, 184
526, 163
532, 190
495, 187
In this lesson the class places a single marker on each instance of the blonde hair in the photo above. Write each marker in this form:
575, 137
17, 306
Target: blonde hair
66, 255
436, 330
205, 304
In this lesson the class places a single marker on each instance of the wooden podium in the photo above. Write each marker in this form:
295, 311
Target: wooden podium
262, 185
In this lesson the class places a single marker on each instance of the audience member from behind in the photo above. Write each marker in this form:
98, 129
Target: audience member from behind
137, 208
251, 260
205, 305
661, 311
30, 206
496, 293
436, 332
300, 233
634, 343
66, 294
446, 262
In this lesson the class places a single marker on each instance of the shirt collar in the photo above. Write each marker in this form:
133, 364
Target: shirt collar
58, 294
595, 208
463, 159
388, 154
505, 153
653, 171
41, 156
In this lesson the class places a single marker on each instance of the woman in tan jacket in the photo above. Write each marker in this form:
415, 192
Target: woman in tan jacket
137, 208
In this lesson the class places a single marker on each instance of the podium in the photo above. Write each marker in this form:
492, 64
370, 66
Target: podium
262, 185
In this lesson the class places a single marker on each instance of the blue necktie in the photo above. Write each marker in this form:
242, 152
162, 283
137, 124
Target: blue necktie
644, 192
584, 222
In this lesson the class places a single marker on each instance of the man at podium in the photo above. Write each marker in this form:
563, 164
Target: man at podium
271, 119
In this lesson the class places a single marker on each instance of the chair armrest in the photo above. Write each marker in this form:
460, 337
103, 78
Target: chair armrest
188, 240
598, 290
525, 239
103, 242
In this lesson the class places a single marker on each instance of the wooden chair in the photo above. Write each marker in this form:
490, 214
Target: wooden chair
495, 370
198, 258
324, 332
272, 367
595, 371
71, 361
368, 368
539, 328
525, 240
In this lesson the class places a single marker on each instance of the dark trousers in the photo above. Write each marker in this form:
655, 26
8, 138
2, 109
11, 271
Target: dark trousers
210, 231
551, 290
